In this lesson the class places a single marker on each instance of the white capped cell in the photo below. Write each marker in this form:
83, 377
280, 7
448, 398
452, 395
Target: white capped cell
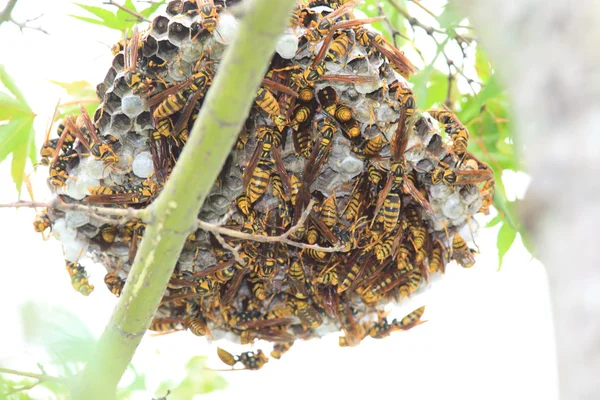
453, 207
132, 105
62, 232
227, 28
142, 165
95, 168
368, 87
287, 46
74, 249
350, 165
75, 219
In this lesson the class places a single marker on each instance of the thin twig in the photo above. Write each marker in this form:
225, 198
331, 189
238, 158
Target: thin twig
233, 250
413, 21
283, 238
90, 100
393, 31
125, 214
451, 78
6, 16
139, 17
39, 377
427, 10
99, 213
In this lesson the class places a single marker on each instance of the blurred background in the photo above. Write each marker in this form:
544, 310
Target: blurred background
489, 330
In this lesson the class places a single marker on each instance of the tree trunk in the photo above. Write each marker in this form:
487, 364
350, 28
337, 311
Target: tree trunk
546, 53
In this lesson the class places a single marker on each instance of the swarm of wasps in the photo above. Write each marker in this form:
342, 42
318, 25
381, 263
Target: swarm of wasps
334, 134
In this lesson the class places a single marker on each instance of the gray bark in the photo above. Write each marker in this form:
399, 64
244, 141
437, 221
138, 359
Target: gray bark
547, 54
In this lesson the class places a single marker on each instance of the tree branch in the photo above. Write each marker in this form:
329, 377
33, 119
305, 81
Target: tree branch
547, 62
215, 131
6, 14
39, 377
126, 214
138, 17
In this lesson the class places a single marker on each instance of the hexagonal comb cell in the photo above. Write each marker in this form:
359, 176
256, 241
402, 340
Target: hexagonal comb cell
100, 90
118, 62
110, 77
121, 123
112, 102
149, 47
175, 7
178, 32
101, 118
166, 49
120, 86
144, 121
160, 25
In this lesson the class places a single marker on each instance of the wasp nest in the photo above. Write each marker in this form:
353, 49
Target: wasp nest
334, 152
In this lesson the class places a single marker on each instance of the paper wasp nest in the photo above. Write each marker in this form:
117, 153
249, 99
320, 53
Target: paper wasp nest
336, 127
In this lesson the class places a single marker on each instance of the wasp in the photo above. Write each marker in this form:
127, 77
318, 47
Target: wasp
437, 260
417, 229
166, 325
371, 147
209, 13
63, 143
329, 276
457, 131
279, 349
329, 211
487, 194
389, 247
353, 272
259, 170
58, 170
141, 194
250, 360
42, 222
265, 99
358, 199
398, 60
100, 149
309, 316
412, 319
461, 252
182, 96
79, 278
296, 276
449, 176
197, 326
389, 196
114, 283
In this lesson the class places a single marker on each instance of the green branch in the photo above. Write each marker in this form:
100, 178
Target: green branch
225, 109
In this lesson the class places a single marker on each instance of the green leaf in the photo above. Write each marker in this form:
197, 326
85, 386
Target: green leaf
124, 15
449, 18
147, 12
495, 221
10, 84
506, 237
138, 384
77, 89
11, 108
199, 380
482, 64
18, 138
107, 18
58, 331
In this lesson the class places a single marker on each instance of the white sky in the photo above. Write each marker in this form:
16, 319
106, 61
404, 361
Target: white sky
489, 334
